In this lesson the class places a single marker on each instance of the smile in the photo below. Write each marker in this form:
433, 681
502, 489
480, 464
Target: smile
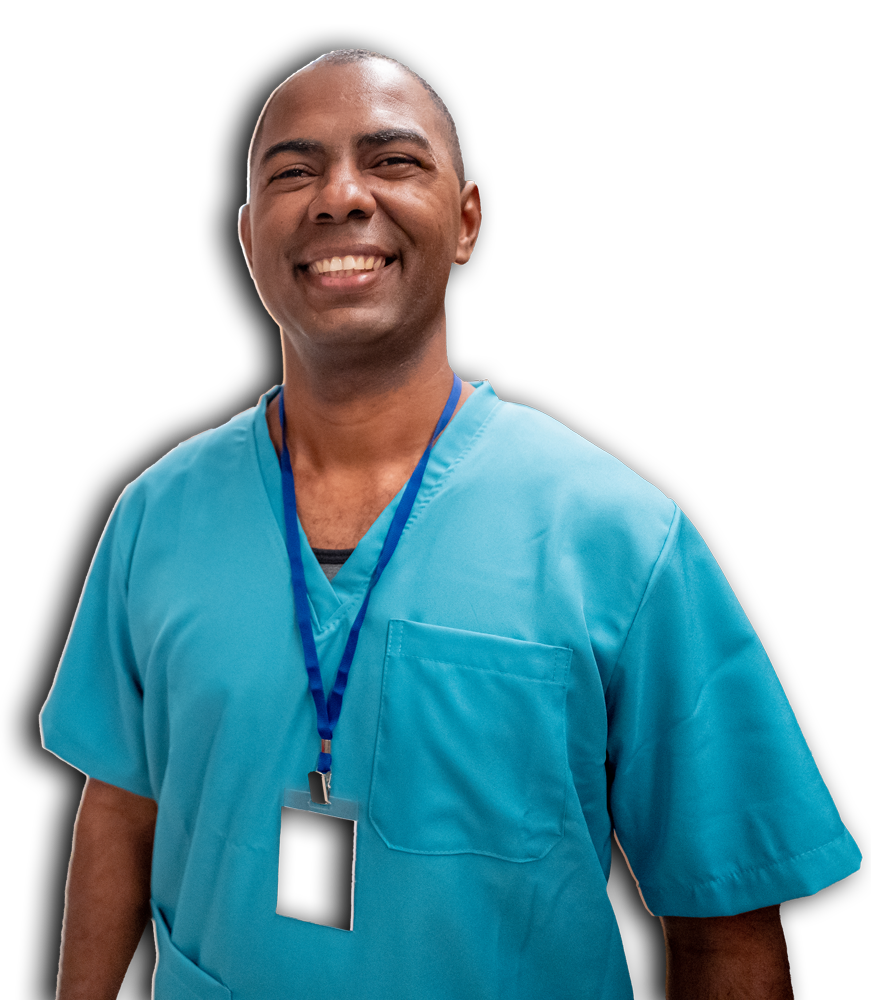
346, 273
346, 267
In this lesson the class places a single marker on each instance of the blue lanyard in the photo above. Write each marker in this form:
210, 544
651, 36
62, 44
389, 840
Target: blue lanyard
328, 711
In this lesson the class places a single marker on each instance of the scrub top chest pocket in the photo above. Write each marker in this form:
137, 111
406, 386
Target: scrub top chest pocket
470, 755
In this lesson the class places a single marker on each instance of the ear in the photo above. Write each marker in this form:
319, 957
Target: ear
470, 221
245, 234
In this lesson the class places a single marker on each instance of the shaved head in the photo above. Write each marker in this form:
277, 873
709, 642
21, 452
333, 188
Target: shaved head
344, 56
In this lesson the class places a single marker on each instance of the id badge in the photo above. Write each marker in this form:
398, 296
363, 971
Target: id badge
316, 856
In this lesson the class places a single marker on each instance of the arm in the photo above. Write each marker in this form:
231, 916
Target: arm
727, 958
108, 890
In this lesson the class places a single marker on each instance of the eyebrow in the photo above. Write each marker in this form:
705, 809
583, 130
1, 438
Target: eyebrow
364, 141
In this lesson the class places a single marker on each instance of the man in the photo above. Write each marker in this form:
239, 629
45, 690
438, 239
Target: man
536, 645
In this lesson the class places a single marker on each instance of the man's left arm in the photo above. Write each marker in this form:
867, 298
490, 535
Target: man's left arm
742, 957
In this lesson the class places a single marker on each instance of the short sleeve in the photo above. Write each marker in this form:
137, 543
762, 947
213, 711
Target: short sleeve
715, 797
93, 718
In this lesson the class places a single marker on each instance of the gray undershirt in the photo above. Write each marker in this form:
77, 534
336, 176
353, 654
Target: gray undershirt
332, 560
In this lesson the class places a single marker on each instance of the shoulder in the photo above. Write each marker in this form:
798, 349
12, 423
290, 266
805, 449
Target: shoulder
203, 464
567, 472
530, 477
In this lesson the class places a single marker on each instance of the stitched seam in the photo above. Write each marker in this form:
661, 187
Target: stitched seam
398, 640
485, 670
420, 505
774, 864
647, 590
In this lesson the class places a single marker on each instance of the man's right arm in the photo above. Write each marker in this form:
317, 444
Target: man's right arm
108, 891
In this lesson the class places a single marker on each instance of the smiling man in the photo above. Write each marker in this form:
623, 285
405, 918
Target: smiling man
387, 603
357, 211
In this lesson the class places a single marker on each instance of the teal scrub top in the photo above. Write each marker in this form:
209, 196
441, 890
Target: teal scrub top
551, 654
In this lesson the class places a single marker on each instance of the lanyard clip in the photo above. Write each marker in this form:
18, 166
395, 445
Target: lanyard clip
319, 787
319, 780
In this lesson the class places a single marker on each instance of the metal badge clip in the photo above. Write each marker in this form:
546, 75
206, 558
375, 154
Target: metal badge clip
319, 787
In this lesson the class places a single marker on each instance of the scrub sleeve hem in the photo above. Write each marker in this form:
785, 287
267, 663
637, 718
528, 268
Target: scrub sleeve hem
752, 888
67, 750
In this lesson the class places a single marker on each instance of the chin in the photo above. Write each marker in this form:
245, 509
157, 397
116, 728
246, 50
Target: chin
350, 332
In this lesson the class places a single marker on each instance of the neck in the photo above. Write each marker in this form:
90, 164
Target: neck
361, 413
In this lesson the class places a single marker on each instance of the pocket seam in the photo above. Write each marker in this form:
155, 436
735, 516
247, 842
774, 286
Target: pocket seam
562, 655
490, 670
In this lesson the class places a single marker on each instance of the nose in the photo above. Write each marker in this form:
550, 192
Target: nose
343, 194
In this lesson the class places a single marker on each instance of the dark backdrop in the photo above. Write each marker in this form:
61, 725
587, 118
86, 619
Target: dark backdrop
665, 265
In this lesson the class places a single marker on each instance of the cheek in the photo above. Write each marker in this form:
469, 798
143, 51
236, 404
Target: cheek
432, 219
266, 248
438, 242
271, 234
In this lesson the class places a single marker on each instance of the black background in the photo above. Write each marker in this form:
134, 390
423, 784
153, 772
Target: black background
667, 264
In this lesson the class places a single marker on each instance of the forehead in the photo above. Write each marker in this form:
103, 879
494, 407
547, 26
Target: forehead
332, 103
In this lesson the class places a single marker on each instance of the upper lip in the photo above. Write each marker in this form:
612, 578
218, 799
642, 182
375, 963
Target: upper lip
347, 250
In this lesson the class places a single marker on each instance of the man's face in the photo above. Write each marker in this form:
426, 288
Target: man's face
355, 213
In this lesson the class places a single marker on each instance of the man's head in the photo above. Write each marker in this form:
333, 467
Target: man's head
355, 162
340, 57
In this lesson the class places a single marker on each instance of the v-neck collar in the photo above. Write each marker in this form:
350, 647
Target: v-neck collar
332, 601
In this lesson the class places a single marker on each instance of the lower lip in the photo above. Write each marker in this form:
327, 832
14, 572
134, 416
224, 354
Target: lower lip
351, 283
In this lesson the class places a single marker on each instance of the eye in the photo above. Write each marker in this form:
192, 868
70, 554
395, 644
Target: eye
292, 173
397, 159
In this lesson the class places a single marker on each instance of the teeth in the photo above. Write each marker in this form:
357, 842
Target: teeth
344, 267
